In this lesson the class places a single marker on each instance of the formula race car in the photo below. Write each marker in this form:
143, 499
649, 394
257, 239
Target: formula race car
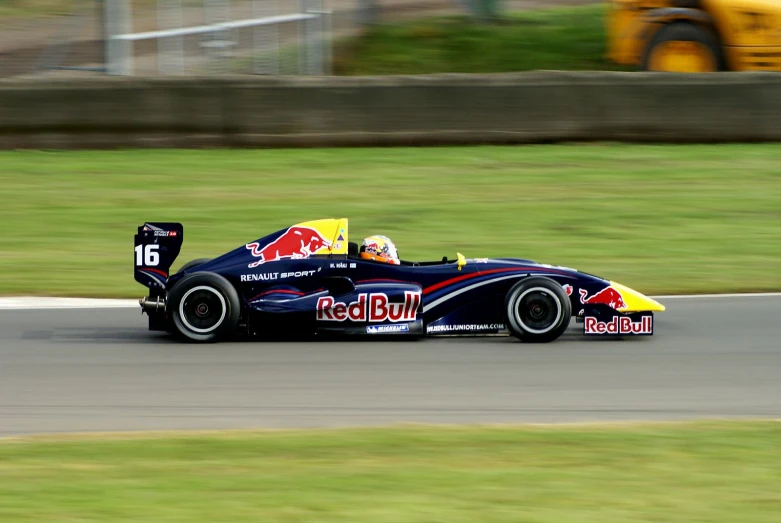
309, 279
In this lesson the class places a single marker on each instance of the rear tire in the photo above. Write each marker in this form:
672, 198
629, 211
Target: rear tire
204, 307
537, 310
193, 264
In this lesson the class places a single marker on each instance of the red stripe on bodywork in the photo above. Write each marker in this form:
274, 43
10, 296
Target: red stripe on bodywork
381, 280
158, 271
278, 291
451, 281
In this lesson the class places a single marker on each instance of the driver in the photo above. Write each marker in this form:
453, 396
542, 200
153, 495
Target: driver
379, 249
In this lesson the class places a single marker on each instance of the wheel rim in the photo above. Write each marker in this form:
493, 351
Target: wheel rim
202, 309
681, 56
538, 310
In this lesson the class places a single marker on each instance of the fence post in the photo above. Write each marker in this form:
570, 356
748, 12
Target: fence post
265, 39
315, 37
119, 53
367, 12
218, 41
483, 9
170, 55
490, 9
328, 38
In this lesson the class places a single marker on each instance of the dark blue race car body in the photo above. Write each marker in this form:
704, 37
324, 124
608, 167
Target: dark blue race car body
309, 280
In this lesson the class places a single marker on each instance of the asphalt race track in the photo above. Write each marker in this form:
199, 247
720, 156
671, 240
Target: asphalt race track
101, 370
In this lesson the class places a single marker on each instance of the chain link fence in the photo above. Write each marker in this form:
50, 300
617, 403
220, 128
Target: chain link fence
167, 37
224, 37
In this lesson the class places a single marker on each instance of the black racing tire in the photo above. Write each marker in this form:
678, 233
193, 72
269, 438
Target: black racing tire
194, 263
204, 307
537, 310
687, 32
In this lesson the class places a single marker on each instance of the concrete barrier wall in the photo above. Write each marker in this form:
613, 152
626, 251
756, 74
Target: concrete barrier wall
443, 109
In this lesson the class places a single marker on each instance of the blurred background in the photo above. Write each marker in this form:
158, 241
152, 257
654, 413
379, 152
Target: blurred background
205, 36
349, 37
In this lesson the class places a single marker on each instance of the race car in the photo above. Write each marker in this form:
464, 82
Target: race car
310, 280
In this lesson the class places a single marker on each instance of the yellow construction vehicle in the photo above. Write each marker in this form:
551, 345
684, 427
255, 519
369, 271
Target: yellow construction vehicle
695, 35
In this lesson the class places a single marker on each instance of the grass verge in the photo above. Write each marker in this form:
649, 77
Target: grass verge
704, 471
662, 219
568, 38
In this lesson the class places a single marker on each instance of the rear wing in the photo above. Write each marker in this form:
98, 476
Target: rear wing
157, 245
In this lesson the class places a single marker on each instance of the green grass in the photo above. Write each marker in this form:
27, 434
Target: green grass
571, 38
662, 219
683, 473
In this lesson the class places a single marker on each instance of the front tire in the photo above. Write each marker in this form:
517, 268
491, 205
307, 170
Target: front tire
537, 310
204, 307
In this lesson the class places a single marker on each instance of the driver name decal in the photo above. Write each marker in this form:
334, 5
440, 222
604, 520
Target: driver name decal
373, 307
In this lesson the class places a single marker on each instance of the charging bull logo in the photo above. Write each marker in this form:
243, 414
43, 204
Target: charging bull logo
295, 243
607, 296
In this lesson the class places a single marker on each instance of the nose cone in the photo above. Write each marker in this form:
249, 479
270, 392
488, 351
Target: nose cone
634, 301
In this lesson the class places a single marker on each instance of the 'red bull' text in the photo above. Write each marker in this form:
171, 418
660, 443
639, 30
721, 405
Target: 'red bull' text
374, 307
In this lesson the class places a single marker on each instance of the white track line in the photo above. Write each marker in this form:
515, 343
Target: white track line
709, 296
33, 303
26, 303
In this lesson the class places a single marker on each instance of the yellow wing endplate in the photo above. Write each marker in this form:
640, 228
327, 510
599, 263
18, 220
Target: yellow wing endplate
634, 301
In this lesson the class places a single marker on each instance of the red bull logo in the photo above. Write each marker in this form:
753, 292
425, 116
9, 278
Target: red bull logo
374, 307
619, 325
607, 296
295, 243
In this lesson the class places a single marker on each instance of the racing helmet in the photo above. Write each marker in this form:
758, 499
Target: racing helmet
379, 249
